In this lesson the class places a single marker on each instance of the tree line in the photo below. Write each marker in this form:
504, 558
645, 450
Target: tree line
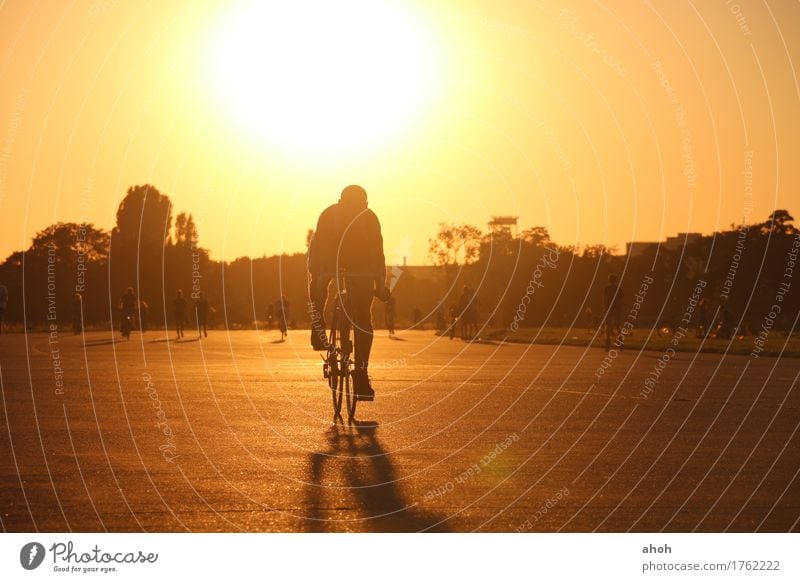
529, 280
146, 249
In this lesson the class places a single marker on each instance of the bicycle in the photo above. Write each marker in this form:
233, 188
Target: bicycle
337, 367
127, 325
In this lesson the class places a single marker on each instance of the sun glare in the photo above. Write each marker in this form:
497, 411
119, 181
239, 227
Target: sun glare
322, 77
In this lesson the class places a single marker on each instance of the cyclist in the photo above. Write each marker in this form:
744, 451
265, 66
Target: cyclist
128, 305
348, 237
464, 306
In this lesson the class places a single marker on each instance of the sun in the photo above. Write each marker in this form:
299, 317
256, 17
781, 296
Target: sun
324, 77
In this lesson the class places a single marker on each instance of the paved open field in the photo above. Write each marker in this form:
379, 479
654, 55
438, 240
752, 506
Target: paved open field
234, 433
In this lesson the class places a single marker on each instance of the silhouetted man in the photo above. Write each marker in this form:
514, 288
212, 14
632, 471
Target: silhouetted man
348, 237
282, 313
179, 310
128, 304
201, 311
464, 306
612, 306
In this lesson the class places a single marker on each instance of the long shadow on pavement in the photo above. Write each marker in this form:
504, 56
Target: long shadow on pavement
355, 453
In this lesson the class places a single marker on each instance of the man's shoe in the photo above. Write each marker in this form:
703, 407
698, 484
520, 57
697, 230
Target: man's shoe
319, 340
362, 386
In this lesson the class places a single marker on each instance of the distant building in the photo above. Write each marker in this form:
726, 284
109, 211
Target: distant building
504, 223
635, 249
673, 243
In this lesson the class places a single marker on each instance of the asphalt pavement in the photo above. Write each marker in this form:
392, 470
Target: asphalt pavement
235, 433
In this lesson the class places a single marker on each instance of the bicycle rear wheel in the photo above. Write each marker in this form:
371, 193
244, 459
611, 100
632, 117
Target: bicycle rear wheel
335, 376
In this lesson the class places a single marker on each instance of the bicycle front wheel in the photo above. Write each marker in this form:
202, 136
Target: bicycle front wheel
335, 374
349, 390
335, 381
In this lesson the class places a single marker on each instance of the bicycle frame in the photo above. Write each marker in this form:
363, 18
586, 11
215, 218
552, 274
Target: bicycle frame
338, 364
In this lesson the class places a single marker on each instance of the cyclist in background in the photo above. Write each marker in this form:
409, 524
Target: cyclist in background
348, 237
128, 304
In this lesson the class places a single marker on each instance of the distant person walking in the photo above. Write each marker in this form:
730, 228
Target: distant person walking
201, 311
179, 311
3, 304
389, 315
725, 327
613, 297
282, 313
471, 316
463, 307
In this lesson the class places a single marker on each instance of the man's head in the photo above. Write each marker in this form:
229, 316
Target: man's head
612, 279
354, 197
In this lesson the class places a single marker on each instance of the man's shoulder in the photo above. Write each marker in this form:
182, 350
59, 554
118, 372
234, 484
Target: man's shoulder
369, 216
329, 211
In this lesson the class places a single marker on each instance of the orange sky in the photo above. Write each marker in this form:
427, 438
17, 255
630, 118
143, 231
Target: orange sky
626, 121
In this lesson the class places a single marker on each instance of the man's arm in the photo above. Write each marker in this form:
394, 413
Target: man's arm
318, 246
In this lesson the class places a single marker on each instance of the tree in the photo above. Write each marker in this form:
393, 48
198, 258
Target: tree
454, 245
67, 240
779, 222
598, 251
185, 230
537, 236
136, 256
144, 218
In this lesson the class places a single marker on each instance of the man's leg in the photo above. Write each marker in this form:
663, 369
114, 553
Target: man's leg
318, 297
361, 293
